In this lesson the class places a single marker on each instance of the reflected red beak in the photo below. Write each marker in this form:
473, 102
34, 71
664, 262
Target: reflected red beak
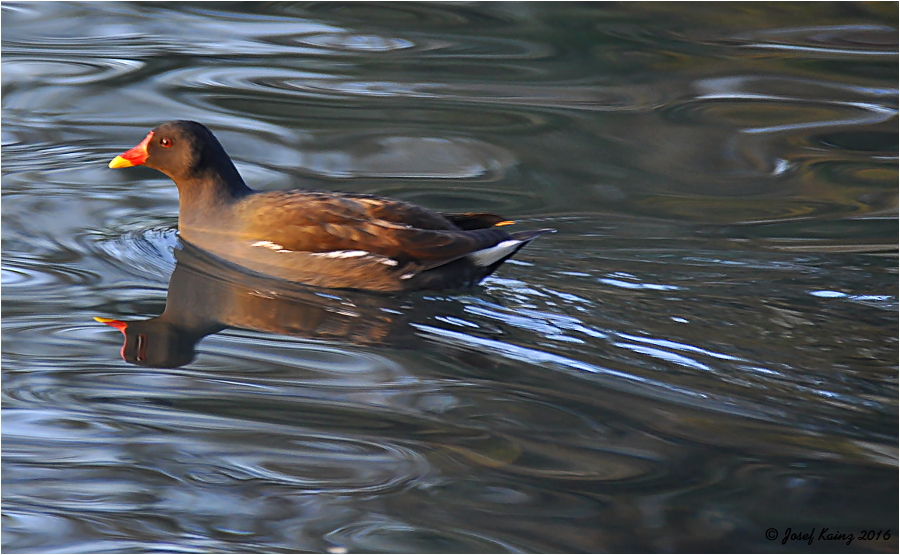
118, 324
134, 157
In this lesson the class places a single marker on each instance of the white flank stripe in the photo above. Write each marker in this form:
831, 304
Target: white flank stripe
268, 245
486, 257
340, 254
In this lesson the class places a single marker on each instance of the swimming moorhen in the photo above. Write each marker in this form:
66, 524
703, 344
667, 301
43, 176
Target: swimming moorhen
327, 239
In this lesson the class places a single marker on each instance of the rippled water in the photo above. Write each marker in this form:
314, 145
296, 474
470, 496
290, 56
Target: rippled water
706, 349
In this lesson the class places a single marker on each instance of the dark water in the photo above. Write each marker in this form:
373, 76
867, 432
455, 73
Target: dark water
706, 349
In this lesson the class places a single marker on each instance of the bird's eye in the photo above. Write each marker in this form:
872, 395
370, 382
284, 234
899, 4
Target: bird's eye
165, 142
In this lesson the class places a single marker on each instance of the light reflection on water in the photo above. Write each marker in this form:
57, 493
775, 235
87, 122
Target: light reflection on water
706, 349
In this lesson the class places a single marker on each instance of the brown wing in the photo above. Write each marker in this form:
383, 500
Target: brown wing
312, 206
400, 212
322, 222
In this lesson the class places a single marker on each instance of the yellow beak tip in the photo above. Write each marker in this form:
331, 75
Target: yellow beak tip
103, 320
119, 162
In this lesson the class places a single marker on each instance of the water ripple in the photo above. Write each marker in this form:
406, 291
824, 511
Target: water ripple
354, 42
36, 273
311, 364
180, 480
102, 34
746, 110
353, 466
444, 49
622, 381
65, 71
141, 252
386, 536
420, 15
291, 83
836, 40
411, 157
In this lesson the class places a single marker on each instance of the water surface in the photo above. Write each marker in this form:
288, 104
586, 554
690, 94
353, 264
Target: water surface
705, 350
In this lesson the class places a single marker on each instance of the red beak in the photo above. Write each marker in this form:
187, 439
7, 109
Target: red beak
134, 157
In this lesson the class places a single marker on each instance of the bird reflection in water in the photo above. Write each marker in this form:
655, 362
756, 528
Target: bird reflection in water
207, 295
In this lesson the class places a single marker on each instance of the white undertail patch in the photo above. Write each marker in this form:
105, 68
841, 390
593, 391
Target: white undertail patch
486, 257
